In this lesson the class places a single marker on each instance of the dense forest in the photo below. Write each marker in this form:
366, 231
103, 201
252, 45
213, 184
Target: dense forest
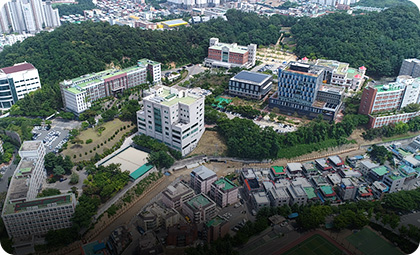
379, 41
76, 49
384, 3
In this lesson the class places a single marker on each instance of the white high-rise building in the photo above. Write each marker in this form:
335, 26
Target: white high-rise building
17, 81
27, 16
174, 116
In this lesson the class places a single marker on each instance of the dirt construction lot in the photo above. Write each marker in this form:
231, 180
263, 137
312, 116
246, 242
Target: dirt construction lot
210, 144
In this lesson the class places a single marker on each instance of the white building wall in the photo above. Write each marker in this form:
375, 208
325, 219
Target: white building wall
28, 16
26, 82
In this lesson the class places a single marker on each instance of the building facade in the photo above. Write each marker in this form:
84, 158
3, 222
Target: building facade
79, 93
410, 67
24, 214
230, 55
224, 192
156, 216
202, 179
199, 208
16, 82
176, 195
299, 92
383, 103
174, 116
250, 85
341, 74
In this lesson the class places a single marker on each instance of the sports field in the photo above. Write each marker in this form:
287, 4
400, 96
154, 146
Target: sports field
315, 245
130, 159
371, 244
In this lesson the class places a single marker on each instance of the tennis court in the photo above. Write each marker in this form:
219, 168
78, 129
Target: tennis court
370, 243
130, 159
315, 245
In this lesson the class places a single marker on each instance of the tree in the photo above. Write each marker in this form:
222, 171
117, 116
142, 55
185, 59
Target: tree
59, 170
74, 178
49, 192
160, 159
412, 108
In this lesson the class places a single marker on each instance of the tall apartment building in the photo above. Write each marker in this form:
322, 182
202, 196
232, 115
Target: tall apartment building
301, 89
29, 16
342, 74
230, 55
224, 192
201, 179
250, 85
200, 208
174, 116
176, 195
24, 214
79, 93
16, 82
410, 67
390, 97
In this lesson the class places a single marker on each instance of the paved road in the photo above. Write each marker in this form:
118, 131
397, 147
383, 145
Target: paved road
4, 180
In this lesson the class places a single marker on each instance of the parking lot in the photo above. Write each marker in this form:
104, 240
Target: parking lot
55, 137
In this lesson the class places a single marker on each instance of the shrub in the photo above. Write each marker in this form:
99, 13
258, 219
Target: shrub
85, 152
94, 148
74, 156
90, 151
88, 141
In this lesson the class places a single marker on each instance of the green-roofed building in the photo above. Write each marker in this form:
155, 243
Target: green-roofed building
80, 92
379, 172
224, 192
199, 208
216, 228
278, 172
141, 171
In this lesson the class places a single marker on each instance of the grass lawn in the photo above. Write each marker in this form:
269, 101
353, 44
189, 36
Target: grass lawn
92, 133
371, 244
400, 137
315, 245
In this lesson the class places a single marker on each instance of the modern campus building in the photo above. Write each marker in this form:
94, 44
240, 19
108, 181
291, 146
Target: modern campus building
230, 55
79, 93
224, 192
342, 74
17, 81
250, 85
202, 179
199, 209
301, 90
410, 67
174, 116
176, 195
24, 214
29, 16
382, 102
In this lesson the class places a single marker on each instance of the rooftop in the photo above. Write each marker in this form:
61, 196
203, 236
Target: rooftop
30, 145
145, 61
141, 171
368, 163
395, 176
254, 77
174, 22
203, 172
225, 184
310, 192
17, 68
19, 185
232, 47
380, 170
389, 87
215, 221
278, 170
327, 190
261, 197
38, 203
336, 160
294, 167
199, 201
179, 188
309, 167
305, 69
